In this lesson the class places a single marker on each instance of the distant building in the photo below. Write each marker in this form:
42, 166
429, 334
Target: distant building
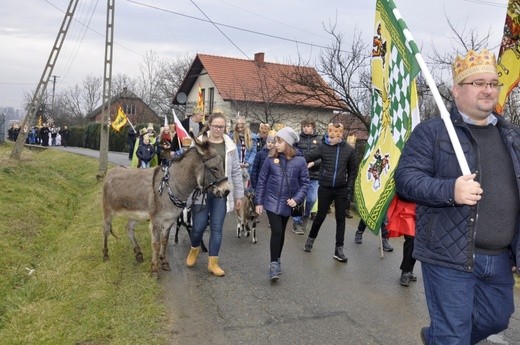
134, 107
255, 88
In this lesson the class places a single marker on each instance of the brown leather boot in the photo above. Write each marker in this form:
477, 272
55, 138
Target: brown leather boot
192, 256
214, 268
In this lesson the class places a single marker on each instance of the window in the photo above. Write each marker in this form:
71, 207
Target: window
129, 109
211, 100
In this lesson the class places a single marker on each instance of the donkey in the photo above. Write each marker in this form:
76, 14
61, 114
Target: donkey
185, 220
159, 195
247, 218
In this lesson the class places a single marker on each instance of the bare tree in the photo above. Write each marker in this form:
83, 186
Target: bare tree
463, 40
149, 80
345, 71
120, 81
258, 97
171, 76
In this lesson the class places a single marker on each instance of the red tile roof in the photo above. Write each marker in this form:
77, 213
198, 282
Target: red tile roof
255, 80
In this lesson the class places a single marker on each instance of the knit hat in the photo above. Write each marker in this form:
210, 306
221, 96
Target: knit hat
289, 135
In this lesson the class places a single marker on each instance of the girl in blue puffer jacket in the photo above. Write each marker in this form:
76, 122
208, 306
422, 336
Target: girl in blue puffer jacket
282, 184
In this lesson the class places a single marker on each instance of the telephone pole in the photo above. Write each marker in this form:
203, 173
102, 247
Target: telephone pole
44, 80
53, 93
107, 86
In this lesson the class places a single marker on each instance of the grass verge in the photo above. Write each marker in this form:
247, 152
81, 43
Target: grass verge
54, 285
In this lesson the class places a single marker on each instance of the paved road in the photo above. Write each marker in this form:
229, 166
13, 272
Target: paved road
118, 158
316, 301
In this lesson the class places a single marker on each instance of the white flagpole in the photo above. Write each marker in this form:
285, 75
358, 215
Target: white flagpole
128, 119
445, 115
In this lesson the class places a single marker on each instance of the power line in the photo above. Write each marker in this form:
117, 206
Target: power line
489, 3
94, 31
216, 26
228, 26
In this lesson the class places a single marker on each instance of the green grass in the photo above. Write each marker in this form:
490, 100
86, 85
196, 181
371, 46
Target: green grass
54, 286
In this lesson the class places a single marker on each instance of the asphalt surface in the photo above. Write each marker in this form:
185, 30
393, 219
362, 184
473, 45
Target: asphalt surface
317, 300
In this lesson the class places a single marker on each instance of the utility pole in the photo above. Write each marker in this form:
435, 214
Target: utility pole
44, 80
53, 92
107, 91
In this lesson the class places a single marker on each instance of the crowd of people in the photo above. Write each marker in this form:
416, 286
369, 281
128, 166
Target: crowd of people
467, 226
45, 135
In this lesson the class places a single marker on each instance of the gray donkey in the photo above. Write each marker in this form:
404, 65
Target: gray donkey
159, 195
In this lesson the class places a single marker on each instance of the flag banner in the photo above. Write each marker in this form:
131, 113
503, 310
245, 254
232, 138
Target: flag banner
200, 103
179, 129
401, 218
394, 113
508, 64
120, 120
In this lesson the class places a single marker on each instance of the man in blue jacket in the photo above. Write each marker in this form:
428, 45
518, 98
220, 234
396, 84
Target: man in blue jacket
467, 225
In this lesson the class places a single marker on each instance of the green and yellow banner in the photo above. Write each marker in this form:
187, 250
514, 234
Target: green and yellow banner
394, 113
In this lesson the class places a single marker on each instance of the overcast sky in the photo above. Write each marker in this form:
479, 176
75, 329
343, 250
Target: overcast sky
28, 30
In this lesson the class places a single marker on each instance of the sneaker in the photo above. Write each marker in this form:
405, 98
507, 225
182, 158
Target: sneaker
273, 271
413, 277
338, 254
305, 223
298, 229
359, 237
348, 214
279, 267
386, 246
308, 244
405, 278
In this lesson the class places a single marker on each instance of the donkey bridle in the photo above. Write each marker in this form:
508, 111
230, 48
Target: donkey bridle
165, 181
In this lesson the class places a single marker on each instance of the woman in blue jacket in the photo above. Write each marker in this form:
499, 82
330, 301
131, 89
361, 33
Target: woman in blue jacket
282, 184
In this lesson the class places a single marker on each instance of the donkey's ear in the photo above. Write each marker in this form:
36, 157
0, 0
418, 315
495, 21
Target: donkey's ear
202, 145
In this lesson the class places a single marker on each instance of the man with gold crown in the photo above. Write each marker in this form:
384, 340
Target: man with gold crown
193, 124
467, 225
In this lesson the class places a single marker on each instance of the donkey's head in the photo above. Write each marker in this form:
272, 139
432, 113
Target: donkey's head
213, 178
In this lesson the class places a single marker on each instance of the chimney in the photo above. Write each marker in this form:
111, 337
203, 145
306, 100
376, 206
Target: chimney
259, 58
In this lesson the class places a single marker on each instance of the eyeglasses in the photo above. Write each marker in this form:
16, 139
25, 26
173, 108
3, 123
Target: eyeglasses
494, 85
220, 128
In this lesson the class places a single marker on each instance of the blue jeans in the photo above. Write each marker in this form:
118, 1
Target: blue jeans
310, 200
215, 209
467, 307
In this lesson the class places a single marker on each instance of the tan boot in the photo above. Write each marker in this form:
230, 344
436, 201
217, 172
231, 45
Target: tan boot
213, 266
192, 256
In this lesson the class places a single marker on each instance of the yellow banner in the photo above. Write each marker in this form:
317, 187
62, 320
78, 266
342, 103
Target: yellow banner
120, 120
509, 55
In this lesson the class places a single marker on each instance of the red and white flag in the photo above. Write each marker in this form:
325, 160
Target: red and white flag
179, 128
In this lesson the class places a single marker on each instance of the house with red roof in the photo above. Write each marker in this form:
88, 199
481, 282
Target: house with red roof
256, 89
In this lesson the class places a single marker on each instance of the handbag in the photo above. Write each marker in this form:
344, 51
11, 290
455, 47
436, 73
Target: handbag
296, 211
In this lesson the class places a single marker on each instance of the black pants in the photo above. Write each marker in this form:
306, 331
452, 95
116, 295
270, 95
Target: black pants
278, 224
326, 195
408, 261
362, 226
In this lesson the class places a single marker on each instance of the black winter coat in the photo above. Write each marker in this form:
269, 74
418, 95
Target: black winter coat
338, 164
307, 143
426, 174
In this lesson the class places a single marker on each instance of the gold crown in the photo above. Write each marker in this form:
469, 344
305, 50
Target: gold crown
473, 63
264, 128
278, 126
198, 110
186, 141
272, 133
